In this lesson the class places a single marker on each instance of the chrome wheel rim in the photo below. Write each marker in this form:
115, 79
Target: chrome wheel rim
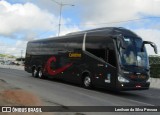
34, 73
87, 81
40, 74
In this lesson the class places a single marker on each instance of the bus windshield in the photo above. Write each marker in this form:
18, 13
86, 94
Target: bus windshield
132, 55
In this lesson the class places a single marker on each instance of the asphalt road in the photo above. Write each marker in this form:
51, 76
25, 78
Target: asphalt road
53, 92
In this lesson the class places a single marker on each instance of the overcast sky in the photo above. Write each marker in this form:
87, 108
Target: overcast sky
24, 20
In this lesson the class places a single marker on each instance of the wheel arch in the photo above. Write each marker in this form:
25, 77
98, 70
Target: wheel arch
34, 67
39, 67
85, 73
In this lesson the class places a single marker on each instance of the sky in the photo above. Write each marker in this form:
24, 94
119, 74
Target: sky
25, 20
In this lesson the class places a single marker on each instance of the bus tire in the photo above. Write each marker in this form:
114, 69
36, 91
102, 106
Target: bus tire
40, 73
87, 82
34, 72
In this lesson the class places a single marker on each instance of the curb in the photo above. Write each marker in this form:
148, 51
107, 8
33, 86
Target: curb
12, 67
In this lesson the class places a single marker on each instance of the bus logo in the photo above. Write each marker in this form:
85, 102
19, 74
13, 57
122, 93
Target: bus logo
75, 55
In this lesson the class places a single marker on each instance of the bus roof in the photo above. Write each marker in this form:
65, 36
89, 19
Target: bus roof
104, 30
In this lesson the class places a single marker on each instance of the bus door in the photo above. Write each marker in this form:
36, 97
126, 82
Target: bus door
103, 59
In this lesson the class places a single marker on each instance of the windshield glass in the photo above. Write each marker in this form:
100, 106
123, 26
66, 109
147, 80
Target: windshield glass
132, 54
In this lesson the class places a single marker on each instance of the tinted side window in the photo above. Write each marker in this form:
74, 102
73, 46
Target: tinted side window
96, 46
102, 47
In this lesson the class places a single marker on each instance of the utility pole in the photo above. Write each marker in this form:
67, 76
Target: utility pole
60, 13
21, 55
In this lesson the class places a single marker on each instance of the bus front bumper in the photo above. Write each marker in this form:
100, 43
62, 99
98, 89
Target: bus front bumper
133, 86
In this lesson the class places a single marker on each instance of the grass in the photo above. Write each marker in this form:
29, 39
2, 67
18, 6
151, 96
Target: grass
6, 55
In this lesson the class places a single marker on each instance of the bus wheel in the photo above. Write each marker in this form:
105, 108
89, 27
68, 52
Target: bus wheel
34, 72
40, 73
87, 82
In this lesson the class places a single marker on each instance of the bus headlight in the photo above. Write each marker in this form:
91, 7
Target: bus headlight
122, 79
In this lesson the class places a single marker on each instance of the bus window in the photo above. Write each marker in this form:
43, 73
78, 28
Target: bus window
102, 47
98, 52
132, 54
96, 46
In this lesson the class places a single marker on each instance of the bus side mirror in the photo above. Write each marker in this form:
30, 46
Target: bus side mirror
152, 44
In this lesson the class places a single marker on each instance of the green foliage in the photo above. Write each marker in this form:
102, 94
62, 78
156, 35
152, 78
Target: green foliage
2, 55
155, 70
155, 66
7, 56
154, 60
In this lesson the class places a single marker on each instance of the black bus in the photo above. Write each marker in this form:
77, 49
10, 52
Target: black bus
112, 57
